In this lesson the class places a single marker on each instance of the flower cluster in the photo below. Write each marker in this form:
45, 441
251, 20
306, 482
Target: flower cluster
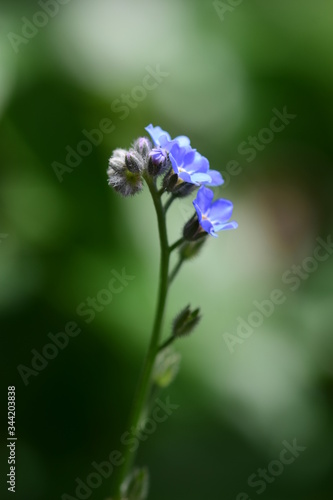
125, 171
184, 170
189, 165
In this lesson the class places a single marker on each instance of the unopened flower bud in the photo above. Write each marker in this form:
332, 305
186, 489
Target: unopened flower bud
134, 161
172, 183
158, 161
143, 147
117, 159
192, 230
183, 189
185, 322
170, 180
124, 172
191, 249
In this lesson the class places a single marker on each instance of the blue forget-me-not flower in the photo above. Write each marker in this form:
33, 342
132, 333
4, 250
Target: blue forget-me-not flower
213, 216
187, 163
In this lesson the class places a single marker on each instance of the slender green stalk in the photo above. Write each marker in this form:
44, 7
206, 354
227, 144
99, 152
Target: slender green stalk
176, 244
175, 270
145, 381
168, 203
168, 342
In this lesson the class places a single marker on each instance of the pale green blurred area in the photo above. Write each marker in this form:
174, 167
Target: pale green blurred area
64, 239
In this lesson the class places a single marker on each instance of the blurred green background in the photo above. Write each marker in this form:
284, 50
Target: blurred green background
223, 76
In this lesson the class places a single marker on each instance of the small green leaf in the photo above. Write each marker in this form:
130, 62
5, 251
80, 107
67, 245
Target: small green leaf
166, 367
136, 486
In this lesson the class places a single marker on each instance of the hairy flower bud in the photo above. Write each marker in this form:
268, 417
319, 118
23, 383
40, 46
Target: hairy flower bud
185, 322
170, 180
125, 172
142, 146
172, 183
192, 230
158, 162
191, 249
183, 189
134, 162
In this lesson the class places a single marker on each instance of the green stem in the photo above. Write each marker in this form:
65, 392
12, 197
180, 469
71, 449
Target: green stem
145, 381
176, 244
175, 270
168, 203
168, 342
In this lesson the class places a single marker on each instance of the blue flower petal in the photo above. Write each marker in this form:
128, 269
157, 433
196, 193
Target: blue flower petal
182, 140
177, 156
181, 160
200, 164
174, 163
199, 178
186, 177
165, 141
198, 210
204, 199
226, 225
208, 227
177, 152
156, 133
216, 177
220, 211
189, 158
